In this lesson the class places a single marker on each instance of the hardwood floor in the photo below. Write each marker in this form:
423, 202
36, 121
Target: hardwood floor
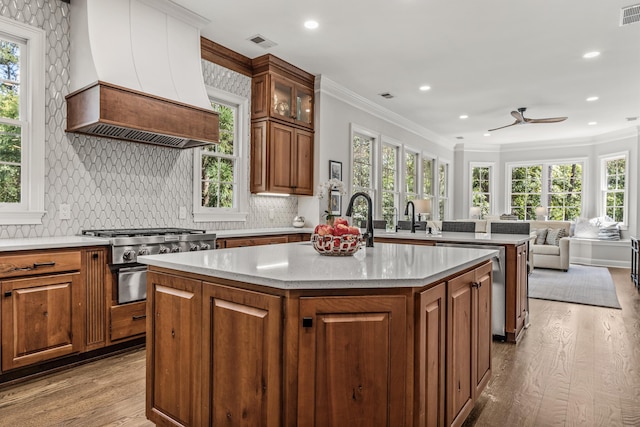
576, 365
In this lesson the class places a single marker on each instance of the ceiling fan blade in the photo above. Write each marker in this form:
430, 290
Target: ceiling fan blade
518, 116
502, 127
549, 120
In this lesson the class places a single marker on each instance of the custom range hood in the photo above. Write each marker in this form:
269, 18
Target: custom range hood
136, 73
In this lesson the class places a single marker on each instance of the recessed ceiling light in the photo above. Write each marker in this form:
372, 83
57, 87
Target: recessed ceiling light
590, 55
592, 123
592, 98
464, 116
487, 134
425, 88
311, 24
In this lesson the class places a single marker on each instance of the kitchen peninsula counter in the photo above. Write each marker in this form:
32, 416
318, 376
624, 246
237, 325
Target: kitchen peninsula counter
282, 336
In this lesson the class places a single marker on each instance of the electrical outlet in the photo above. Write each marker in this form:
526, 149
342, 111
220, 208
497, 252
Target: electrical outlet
64, 211
183, 213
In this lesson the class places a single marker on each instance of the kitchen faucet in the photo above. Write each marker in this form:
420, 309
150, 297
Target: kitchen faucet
413, 215
369, 233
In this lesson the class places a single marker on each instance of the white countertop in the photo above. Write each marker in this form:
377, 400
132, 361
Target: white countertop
456, 237
299, 266
24, 244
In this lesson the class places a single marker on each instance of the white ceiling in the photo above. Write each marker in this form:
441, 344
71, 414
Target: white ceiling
481, 58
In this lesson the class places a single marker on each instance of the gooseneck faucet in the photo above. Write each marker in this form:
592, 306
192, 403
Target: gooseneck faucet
369, 233
413, 215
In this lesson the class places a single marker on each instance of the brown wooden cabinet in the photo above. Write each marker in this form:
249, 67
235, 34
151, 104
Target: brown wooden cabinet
238, 242
42, 308
282, 128
242, 357
352, 361
40, 319
94, 264
174, 339
468, 341
282, 159
517, 281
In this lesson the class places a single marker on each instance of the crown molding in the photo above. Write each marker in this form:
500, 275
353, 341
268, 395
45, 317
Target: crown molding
327, 86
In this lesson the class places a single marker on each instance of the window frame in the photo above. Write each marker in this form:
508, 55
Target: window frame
373, 179
602, 208
398, 180
239, 212
446, 198
32, 93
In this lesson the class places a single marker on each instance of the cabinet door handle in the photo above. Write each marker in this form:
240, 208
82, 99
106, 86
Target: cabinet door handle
307, 322
138, 317
476, 285
44, 264
7, 294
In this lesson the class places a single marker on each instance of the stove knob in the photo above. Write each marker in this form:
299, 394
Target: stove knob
193, 247
143, 251
163, 250
175, 248
129, 255
204, 246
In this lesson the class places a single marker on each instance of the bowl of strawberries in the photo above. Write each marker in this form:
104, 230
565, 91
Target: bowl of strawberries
338, 239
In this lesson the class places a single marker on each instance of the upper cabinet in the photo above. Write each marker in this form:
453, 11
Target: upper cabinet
281, 91
281, 128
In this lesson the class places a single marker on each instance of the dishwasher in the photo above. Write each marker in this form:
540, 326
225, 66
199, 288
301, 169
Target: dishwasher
498, 288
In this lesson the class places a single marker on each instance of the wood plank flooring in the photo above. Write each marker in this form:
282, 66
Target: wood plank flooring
576, 365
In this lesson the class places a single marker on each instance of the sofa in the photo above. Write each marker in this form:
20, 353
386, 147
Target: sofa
546, 250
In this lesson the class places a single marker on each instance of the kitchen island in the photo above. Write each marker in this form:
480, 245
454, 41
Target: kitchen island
281, 336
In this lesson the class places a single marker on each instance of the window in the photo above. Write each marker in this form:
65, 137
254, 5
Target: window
362, 155
614, 188
481, 188
557, 186
390, 193
411, 166
21, 123
219, 192
443, 190
564, 191
428, 174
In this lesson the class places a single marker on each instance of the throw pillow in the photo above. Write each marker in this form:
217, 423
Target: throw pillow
541, 235
554, 235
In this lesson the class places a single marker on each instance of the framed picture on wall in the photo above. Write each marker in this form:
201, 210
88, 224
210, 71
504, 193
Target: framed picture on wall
335, 170
336, 202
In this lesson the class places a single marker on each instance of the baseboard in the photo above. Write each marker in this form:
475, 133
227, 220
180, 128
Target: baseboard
601, 262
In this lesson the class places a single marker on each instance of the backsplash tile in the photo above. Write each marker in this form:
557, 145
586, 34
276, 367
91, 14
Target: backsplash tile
116, 184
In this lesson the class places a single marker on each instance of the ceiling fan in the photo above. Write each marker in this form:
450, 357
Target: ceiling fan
521, 119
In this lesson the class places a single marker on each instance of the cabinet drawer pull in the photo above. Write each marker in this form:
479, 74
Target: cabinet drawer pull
44, 264
307, 322
7, 294
138, 317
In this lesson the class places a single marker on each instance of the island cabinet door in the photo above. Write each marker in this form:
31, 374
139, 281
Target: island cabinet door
242, 368
521, 288
430, 357
174, 323
484, 336
460, 348
352, 363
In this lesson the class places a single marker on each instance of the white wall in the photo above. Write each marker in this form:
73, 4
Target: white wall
336, 110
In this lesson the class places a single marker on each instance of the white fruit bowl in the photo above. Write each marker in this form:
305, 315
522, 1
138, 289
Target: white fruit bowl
345, 245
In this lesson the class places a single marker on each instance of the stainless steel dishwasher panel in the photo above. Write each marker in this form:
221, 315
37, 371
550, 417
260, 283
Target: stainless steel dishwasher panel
498, 288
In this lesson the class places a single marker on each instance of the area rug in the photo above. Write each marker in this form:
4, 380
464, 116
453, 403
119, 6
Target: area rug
582, 284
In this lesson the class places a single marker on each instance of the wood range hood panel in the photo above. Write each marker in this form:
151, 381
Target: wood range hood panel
106, 110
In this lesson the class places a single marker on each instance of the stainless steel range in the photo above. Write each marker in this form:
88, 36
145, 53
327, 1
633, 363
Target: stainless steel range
127, 244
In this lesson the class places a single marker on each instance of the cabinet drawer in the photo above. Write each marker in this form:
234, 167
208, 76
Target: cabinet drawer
256, 241
128, 320
39, 263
